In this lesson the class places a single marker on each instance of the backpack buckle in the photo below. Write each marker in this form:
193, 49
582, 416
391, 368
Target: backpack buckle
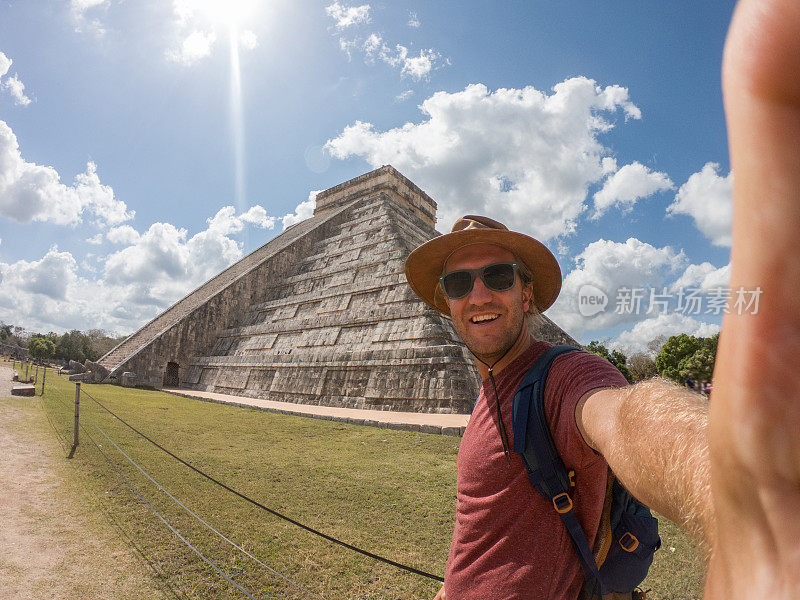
629, 542
563, 504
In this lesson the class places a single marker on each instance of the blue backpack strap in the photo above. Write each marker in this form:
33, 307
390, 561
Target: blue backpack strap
534, 442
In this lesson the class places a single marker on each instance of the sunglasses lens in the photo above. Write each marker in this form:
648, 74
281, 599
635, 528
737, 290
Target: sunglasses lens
499, 277
457, 284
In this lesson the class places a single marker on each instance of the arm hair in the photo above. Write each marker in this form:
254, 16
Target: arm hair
655, 441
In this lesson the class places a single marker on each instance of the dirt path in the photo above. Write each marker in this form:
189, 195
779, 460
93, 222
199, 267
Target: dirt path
53, 543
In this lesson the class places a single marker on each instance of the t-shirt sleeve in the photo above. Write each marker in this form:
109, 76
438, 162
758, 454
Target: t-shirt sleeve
570, 377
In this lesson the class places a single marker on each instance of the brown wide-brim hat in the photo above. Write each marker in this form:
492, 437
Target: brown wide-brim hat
425, 264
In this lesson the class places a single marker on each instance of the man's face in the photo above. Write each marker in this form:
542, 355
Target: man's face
489, 322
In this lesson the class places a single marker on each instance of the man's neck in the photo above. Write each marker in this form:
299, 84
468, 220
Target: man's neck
522, 343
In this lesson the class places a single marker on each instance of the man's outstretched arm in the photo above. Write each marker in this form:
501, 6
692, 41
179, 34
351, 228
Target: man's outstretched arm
654, 437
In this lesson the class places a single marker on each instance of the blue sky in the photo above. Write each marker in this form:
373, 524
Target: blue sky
136, 160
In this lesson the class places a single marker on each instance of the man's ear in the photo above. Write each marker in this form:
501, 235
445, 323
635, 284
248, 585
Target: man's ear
527, 296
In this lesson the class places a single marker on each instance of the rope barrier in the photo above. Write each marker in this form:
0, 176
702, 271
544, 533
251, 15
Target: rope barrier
62, 398
59, 436
262, 507
208, 561
196, 516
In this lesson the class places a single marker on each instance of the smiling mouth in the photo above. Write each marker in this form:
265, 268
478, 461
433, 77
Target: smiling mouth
485, 318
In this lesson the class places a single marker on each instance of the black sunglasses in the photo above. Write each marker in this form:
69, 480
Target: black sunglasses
497, 277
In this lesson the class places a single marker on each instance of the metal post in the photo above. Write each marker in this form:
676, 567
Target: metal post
27, 366
36, 376
44, 378
77, 424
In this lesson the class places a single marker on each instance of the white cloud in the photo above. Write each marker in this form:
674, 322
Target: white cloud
164, 261
669, 324
169, 263
248, 39
416, 67
708, 199
375, 49
17, 90
124, 234
347, 16
303, 211
704, 277
128, 287
482, 152
199, 25
631, 183
5, 64
81, 6
348, 47
88, 266
608, 165
226, 221
78, 11
413, 20
195, 46
48, 277
95, 240
611, 267
372, 45
404, 96
31, 192
49, 295
12, 84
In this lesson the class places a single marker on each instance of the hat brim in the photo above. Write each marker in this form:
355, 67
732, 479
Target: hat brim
425, 264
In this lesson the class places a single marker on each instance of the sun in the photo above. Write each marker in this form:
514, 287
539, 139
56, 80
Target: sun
233, 13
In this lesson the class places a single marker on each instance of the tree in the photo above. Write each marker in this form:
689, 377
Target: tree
41, 347
81, 346
616, 358
641, 367
684, 355
701, 363
656, 344
74, 346
674, 354
5, 331
100, 342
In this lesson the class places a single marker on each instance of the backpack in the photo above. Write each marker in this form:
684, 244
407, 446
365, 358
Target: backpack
621, 559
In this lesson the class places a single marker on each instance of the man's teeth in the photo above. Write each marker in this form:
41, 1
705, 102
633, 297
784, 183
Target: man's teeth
481, 318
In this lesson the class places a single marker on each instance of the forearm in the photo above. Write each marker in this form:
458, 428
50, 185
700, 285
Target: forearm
656, 443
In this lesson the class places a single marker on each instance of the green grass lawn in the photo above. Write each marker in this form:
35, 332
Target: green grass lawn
390, 492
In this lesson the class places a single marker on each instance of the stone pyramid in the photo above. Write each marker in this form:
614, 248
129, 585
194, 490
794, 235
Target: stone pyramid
321, 314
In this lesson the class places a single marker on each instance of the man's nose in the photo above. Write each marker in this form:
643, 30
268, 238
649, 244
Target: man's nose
480, 294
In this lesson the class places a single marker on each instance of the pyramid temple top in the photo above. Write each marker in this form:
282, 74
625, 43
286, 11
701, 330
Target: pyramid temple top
387, 179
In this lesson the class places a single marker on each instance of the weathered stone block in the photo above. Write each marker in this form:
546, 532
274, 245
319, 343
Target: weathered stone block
98, 371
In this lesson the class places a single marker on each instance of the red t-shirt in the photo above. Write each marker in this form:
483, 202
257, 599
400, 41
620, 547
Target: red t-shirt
509, 542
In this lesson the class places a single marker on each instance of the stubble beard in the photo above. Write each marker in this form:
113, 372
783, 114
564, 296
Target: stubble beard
489, 350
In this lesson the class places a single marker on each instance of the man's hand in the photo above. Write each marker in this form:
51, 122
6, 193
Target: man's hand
755, 405
440, 594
